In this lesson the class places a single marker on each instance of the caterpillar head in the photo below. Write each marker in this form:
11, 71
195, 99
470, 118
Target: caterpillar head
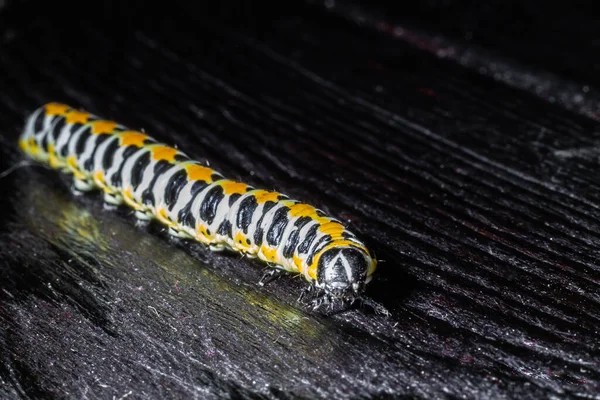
343, 272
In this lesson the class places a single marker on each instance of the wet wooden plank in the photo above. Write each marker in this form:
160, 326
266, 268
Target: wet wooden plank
545, 49
479, 197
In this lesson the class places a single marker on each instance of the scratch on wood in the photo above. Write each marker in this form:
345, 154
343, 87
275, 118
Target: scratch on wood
580, 152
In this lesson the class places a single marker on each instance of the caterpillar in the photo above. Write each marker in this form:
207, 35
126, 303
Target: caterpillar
193, 201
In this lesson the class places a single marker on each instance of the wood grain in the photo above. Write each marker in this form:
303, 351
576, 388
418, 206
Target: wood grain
479, 197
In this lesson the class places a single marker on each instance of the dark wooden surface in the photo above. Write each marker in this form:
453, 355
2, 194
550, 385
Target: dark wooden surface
477, 188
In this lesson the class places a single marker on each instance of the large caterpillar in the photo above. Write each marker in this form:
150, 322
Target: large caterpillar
195, 202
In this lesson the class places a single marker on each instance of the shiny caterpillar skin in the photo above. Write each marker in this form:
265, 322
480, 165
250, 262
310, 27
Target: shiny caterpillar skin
195, 202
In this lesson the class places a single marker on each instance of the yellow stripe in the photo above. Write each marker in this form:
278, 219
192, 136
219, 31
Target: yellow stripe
56, 109
301, 210
132, 138
262, 196
240, 242
72, 165
163, 216
77, 117
202, 234
99, 180
128, 197
298, 262
270, 254
199, 173
53, 160
23, 145
100, 127
332, 228
164, 153
32, 147
233, 187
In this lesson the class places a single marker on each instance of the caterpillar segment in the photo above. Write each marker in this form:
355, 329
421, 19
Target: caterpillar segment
196, 202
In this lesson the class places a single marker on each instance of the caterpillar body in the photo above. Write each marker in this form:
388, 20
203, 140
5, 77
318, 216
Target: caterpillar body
196, 202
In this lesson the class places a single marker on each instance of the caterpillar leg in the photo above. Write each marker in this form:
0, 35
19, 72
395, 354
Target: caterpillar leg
320, 301
271, 275
113, 199
307, 293
216, 247
83, 185
377, 307
173, 231
143, 215
329, 304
